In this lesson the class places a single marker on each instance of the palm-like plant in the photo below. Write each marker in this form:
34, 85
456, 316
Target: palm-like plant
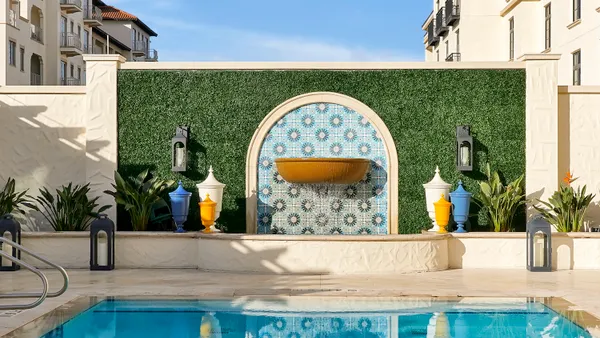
138, 196
567, 207
499, 201
12, 201
70, 209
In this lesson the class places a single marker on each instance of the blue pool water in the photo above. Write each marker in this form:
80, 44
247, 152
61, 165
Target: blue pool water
228, 319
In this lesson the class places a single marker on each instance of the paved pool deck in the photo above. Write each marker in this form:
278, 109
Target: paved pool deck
580, 287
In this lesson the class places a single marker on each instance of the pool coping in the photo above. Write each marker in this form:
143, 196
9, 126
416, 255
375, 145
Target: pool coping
69, 310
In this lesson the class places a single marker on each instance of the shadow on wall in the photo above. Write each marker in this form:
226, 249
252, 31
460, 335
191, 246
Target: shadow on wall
39, 149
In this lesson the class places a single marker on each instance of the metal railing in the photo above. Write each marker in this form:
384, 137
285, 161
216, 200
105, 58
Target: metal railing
453, 57
151, 55
70, 81
70, 40
432, 38
37, 33
36, 79
452, 12
41, 296
12, 18
140, 46
76, 3
92, 13
440, 22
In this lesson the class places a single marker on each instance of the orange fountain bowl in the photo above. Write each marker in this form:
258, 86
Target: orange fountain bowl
322, 170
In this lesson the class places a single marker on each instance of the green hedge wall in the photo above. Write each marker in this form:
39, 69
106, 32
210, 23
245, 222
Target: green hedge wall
420, 107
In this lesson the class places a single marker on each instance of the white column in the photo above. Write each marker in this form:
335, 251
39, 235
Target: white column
101, 126
542, 176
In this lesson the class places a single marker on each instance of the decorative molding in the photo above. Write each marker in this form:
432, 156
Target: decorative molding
512, 4
318, 97
574, 23
579, 90
539, 57
318, 65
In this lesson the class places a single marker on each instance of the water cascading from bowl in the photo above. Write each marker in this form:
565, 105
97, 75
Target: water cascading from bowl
322, 170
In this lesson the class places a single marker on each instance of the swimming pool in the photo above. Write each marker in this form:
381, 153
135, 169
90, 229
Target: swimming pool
310, 317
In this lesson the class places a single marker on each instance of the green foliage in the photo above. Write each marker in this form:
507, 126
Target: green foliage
500, 202
70, 210
12, 201
138, 195
420, 107
567, 206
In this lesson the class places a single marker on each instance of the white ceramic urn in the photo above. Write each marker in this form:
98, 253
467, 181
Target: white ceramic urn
433, 191
214, 189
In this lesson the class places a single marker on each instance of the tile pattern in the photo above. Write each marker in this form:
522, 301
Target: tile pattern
296, 327
322, 130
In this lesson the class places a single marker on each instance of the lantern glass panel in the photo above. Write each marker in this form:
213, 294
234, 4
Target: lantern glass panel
539, 249
7, 249
102, 248
179, 154
465, 153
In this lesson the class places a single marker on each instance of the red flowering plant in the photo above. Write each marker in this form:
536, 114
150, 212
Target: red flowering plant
567, 207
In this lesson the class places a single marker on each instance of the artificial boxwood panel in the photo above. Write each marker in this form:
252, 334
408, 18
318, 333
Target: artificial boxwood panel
421, 108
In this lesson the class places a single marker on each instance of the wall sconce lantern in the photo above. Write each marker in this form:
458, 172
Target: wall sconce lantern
179, 149
464, 148
102, 244
539, 245
10, 225
180, 206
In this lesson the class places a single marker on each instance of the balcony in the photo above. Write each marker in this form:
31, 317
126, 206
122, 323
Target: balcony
70, 44
440, 22
98, 50
70, 81
71, 6
432, 39
92, 16
35, 79
452, 12
37, 34
139, 48
12, 18
151, 56
454, 57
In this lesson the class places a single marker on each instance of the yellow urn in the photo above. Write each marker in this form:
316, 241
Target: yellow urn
442, 214
442, 326
208, 210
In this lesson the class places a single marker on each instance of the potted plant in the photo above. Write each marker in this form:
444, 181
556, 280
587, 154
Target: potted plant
566, 209
12, 201
500, 201
138, 195
70, 209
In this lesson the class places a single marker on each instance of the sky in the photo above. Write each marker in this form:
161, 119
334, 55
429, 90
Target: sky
283, 30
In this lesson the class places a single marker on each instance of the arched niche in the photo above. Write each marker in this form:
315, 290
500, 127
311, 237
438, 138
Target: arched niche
289, 106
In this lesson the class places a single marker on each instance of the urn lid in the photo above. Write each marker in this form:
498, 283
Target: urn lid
442, 202
460, 191
207, 202
437, 181
210, 181
180, 191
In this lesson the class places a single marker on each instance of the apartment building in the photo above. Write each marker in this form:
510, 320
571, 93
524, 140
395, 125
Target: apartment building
504, 30
46, 39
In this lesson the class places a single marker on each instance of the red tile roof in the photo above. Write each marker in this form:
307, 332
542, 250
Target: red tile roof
113, 13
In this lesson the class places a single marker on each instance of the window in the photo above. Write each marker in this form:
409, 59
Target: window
79, 73
577, 68
22, 58
63, 71
457, 41
72, 71
12, 53
437, 53
447, 49
72, 27
86, 39
548, 26
511, 42
133, 36
576, 10
79, 30
63, 25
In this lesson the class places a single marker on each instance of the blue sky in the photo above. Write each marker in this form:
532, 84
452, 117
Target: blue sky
284, 30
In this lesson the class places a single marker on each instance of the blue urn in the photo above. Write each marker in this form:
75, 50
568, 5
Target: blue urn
180, 206
461, 201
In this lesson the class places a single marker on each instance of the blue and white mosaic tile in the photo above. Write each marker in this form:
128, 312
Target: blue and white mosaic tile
297, 327
322, 130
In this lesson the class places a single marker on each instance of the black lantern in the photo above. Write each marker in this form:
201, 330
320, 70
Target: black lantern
179, 149
102, 244
464, 148
539, 245
10, 225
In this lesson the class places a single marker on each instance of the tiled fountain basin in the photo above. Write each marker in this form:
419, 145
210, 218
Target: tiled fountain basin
294, 254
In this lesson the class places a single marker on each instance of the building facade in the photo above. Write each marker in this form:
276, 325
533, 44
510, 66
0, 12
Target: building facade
504, 30
46, 39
